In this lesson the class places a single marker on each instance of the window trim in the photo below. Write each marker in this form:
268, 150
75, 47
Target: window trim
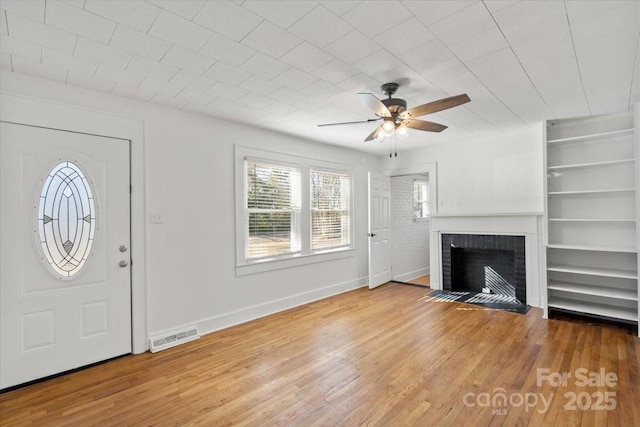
306, 255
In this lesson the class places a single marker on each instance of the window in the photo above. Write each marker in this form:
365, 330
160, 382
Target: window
272, 210
291, 210
420, 199
330, 210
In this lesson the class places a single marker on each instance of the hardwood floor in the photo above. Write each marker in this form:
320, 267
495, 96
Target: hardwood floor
422, 281
388, 356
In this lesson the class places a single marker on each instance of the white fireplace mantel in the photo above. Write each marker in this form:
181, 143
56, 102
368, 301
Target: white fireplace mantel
521, 224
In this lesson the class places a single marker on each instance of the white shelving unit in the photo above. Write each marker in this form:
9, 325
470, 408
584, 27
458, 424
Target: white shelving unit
592, 216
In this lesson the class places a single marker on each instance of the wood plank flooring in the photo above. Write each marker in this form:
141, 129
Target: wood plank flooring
387, 357
422, 281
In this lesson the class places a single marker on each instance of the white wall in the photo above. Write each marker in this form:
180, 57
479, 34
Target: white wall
409, 238
500, 175
189, 181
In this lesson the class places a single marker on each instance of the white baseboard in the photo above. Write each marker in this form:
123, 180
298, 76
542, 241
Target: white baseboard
226, 320
406, 277
534, 302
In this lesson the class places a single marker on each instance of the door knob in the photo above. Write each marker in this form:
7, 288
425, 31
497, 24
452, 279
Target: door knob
123, 263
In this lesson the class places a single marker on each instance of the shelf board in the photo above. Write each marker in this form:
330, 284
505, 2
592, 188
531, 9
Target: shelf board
613, 190
593, 308
579, 288
592, 220
623, 132
594, 248
590, 165
593, 271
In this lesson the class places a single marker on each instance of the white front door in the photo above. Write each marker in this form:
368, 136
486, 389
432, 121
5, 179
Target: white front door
379, 232
65, 277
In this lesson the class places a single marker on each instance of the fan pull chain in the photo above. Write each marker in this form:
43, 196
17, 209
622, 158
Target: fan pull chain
395, 144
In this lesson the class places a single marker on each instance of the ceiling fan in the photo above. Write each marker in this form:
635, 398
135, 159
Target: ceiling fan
396, 116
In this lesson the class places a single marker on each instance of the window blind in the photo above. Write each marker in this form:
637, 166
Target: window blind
272, 194
330, 209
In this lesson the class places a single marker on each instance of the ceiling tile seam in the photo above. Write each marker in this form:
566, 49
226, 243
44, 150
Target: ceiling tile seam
616, 5
520, 62
85, 11
575, 55
634, 72
126, 68
73, 52
252, 30
302, 17
265, 53
6, 21
156, 20
444, 17
112, 33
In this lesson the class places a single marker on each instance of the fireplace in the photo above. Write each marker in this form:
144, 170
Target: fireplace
484, 263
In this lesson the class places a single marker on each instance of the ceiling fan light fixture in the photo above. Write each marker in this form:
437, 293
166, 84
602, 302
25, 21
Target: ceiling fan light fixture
397, 118
388, 127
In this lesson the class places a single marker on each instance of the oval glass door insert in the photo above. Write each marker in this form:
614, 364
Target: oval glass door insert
66, 220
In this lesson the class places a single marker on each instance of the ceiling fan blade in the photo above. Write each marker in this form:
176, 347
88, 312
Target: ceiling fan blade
350, 123
373, 135
435, 106
375, 104
423, 125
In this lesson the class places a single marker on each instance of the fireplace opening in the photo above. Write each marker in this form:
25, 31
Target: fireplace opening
483, 270
491, 264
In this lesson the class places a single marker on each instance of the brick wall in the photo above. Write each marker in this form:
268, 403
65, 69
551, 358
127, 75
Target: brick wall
409, 238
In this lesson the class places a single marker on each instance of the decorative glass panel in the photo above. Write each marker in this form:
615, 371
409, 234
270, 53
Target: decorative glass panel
66, 220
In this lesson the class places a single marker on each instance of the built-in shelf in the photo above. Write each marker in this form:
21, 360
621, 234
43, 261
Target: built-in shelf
591, 165
620, 249
593, 271
592, 219
615, 312
593, 263
586, 192
579, 288
615, 133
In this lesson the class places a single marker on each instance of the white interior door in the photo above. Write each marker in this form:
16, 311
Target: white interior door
65, 278
379, 229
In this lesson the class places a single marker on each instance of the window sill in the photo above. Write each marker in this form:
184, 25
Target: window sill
294, 261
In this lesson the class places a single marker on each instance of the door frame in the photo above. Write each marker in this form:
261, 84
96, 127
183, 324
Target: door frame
31, 111
430, 168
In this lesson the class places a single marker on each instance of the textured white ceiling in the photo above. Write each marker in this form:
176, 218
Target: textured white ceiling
290, 65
